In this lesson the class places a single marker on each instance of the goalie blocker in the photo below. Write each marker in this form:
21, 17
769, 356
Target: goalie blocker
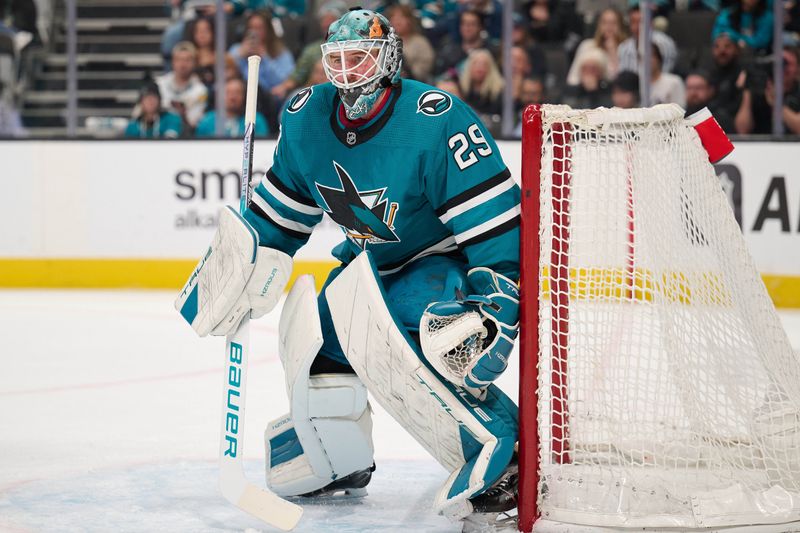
234, 276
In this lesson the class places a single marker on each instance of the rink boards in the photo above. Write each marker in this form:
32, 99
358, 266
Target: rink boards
139, 213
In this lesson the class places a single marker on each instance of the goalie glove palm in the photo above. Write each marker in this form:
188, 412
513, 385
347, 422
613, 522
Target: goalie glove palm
236, 276
468, 340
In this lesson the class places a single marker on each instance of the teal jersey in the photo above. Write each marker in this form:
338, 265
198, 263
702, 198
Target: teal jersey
423, 177
166, 126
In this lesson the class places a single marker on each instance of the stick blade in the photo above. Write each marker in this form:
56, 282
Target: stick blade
267, 507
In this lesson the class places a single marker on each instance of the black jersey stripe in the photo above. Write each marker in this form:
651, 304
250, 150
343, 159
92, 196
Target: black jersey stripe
294, 195
289, 232
472, 192
508, 225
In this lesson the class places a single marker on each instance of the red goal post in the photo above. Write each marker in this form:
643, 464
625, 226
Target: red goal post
657, 387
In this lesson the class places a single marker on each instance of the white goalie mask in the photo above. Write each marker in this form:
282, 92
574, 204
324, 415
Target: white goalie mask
361, 57
351, 64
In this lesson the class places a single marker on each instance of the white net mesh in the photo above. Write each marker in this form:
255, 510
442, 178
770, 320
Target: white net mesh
458, 359
669, 395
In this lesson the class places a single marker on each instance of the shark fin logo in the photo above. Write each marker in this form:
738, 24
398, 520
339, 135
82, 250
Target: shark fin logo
299, 100
434, 103
365, 216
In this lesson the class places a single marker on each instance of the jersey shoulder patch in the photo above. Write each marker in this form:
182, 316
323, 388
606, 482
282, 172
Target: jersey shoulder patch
434, 102
299, 100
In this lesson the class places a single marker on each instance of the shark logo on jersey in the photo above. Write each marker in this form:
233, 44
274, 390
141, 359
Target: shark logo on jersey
362, 215
434, 103
299, 100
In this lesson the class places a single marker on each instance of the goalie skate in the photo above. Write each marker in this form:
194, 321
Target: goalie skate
351, 486
495, 509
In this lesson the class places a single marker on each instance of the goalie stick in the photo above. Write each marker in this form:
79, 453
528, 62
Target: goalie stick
262, 504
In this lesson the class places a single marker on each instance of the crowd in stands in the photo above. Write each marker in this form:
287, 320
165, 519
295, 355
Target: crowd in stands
19, 33
583, 53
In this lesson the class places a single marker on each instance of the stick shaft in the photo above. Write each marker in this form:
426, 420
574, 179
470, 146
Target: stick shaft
251, 99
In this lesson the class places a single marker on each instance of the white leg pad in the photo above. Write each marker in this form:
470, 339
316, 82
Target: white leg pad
443, 418
328, 433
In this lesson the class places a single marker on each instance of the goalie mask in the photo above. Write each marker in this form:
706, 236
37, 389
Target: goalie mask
361, 57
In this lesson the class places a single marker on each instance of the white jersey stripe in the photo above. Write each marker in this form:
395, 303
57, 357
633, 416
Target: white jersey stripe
475, 201
279, 220
446, 245
488, 225
288, 202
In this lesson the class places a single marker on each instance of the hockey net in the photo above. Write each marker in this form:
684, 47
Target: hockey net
658, 388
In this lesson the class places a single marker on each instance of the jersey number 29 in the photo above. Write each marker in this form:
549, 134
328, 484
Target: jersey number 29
464, 154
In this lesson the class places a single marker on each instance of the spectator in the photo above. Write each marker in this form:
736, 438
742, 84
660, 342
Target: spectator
471, 37
520, 37
449, 81
520, 70
317, 75
755, 111
700, 94
432, 13
665, 87
280, 8
481, 83
327, 13
628, 50
201, 35
589, 10
791, 26
181, 90
532, 92
234, 114
22, 15
418, 55
151, 121
609, 34
625, 90
260, 39
592, 89
447, 26
492, 13
748, 22
726, 74
554, 21
449, 85
232, 68
189, 11
10, 121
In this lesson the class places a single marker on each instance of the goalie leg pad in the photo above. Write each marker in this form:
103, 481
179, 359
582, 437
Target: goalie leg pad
340, 423
328, 433
473, 439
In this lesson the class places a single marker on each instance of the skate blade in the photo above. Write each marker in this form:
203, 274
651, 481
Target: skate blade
490, 523
332, 496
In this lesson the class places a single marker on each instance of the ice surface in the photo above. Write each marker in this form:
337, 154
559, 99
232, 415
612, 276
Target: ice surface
109, 415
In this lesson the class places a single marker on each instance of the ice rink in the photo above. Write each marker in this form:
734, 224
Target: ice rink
109, 417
